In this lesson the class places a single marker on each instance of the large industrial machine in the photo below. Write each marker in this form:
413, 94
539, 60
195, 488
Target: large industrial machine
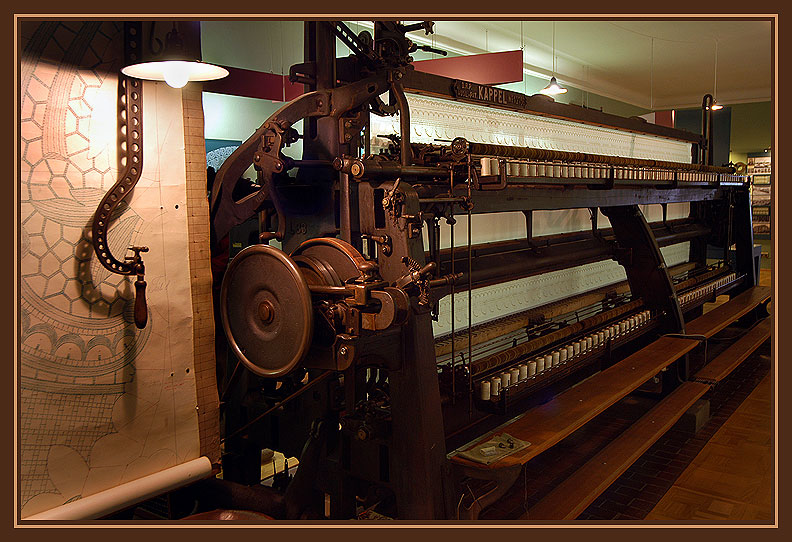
330, 316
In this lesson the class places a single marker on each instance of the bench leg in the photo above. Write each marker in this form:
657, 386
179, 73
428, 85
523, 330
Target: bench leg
504, 479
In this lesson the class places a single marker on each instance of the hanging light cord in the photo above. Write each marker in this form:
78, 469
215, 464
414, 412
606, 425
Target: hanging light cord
554, 58
715, 86
651, 77
522, 61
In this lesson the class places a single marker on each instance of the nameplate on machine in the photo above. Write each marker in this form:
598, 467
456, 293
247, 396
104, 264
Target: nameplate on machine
465, 90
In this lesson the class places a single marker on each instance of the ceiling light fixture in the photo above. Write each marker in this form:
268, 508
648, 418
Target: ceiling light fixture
176, 66
553, 88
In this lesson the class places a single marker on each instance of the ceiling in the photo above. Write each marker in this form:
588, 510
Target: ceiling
654, 64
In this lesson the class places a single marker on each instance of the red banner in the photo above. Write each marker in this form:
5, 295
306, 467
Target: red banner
486, 69
255, 84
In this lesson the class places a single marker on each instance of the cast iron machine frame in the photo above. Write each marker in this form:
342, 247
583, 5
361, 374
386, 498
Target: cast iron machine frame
356, 392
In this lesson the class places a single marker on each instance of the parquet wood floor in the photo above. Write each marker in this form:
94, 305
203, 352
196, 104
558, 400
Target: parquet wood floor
732, 477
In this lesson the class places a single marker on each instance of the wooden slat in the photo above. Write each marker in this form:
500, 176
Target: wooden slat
720, 367
720, 317
545, 425
573, 495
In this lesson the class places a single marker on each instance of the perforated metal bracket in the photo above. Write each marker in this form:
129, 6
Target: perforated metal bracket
130, 125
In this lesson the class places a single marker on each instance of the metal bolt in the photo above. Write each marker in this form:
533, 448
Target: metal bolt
266, 312
343, 350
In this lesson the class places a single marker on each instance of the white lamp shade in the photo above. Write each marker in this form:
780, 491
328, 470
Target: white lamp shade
176, 73
553, 88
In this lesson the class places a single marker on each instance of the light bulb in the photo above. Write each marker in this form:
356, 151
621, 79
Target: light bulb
553, 88
176, 73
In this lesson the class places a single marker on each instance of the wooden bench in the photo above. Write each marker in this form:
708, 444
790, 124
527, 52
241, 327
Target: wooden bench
546, 424
574, 494
570, 498
718, 318
720, 367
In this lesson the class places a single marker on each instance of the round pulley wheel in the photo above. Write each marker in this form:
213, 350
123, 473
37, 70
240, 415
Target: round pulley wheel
341, 259
265, 305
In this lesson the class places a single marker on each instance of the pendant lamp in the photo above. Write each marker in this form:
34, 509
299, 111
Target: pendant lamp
553, 88
715, 105
176, 64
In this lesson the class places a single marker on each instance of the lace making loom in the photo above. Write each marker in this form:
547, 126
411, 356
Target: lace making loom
402, 319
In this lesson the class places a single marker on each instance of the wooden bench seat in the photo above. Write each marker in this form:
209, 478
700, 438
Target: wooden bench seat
718, 318
546, 424
720, 367
573, 495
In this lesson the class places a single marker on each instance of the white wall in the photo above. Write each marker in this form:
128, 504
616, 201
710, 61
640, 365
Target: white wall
237, 118
267, 46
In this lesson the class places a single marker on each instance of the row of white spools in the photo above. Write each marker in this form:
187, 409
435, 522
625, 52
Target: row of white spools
706, 290
491, 166
490, 389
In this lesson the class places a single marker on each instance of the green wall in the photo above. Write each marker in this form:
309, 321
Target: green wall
752, 128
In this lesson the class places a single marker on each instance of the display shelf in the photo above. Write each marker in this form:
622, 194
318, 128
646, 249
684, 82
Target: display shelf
761, 179
760, 170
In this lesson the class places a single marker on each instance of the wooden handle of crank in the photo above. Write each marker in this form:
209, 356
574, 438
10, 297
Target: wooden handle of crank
141, 310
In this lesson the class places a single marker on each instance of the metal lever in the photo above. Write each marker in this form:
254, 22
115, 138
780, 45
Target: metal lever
383, 241
429, 49
426, 26
141, 307
417, 276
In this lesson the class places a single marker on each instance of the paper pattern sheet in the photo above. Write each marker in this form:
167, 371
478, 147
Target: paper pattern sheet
100, 402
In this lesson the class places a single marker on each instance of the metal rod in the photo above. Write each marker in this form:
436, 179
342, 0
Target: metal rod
310, 163
377, 169
367, 132
279, 404
453, 294
328, 290
441, 200
231, 382
404, 123
507, 151
470, 287
346, 209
